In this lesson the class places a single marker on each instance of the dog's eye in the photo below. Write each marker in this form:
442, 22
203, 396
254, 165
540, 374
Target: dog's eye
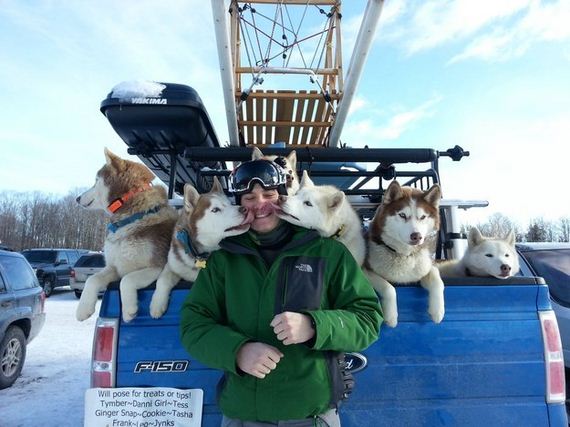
307, 203
402, 215
506, 255
489, 255
216, 210
422, 217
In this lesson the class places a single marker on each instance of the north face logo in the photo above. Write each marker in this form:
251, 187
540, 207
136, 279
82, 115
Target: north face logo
304, 267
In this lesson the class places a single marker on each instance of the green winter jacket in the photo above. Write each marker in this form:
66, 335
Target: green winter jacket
236, 296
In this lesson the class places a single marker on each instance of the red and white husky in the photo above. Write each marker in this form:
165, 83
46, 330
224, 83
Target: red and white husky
205, 220
401, 243
139, 232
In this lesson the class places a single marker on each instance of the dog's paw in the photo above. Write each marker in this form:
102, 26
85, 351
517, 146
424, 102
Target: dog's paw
436, 314
158, 306
84, 311
390, 316
391, 321
129, 313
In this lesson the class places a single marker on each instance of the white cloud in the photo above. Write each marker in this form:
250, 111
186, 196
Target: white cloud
368, 128
543, 22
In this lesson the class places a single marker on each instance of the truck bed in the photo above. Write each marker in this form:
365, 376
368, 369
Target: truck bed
482, 366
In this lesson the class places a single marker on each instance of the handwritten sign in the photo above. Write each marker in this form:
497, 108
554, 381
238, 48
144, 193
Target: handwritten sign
143, 407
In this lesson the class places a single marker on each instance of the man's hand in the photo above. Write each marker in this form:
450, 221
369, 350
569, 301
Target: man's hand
292, 328
258, 359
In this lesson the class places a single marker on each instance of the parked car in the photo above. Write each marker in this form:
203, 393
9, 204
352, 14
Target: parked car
551, 261
53, 266
86, 265
22, 313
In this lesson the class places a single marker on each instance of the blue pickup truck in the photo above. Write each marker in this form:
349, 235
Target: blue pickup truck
495, 360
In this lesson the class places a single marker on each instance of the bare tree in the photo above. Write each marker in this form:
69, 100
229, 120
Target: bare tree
538, 231
499, 225
564, 229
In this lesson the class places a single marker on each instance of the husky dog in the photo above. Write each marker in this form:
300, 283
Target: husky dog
484, 257
401, 246
326, 209
288, 163
138, 238
205, 220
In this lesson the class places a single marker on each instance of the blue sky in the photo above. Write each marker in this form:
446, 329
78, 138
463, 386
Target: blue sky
493, 77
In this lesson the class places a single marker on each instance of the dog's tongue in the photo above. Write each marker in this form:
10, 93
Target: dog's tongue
265, 209
248, 218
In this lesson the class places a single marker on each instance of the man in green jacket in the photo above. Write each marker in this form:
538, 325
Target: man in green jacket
275, 309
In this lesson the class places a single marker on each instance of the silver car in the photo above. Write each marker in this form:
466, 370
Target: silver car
551, 260
87, 265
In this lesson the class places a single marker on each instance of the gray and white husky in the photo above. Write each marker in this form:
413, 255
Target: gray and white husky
139, 232
204, 221
326, 209
485, 257
289, 163
401, 244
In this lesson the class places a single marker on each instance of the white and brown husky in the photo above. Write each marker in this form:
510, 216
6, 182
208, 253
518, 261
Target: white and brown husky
326, 209
485, 257
401, 243
139, 233
205, 220
289, 163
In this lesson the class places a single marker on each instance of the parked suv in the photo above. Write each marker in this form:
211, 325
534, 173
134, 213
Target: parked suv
87, 265
53, 266
21, 313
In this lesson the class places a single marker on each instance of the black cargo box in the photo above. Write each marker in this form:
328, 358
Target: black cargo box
158, 126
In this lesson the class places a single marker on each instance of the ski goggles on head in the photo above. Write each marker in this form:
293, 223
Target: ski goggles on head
264, 172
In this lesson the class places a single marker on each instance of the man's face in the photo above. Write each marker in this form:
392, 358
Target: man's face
260, 202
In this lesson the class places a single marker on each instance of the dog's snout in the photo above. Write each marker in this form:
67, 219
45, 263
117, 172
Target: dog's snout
505, 269
416, 237
78, 199
242, 209
282, 199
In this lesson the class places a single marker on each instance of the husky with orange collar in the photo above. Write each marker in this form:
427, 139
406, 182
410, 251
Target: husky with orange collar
205, 220
139, 233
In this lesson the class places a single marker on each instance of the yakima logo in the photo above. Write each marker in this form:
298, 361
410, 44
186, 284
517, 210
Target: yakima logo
153, 101
161, 366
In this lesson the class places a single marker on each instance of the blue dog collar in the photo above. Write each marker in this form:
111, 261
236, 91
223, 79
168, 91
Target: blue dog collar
112, 227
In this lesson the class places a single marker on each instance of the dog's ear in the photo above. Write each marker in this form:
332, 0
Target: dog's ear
511, 238
112, 159
216, 186
335, 200
306, 181
256, 154
393, 192
191, 196
433, 195
292, 158
475, 237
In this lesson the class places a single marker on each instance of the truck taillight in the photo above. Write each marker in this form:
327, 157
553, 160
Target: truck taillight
42, 302
104, 351
555, 382
72, 273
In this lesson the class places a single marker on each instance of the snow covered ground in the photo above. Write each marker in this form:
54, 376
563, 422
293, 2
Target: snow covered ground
50, 391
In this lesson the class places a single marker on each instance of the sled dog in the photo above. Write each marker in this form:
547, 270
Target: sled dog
138, 235
326, 209
485, 256
204, 221
289, 163
401, 243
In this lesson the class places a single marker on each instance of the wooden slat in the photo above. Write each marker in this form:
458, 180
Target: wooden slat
284, 114
297, 130
259, 107
269, 117
303, 94
281, 124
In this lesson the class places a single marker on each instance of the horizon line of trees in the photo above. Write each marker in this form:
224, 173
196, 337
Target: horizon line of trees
38, 220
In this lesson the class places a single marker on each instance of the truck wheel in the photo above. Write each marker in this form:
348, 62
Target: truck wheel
12, 356
48, 286
77, 294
